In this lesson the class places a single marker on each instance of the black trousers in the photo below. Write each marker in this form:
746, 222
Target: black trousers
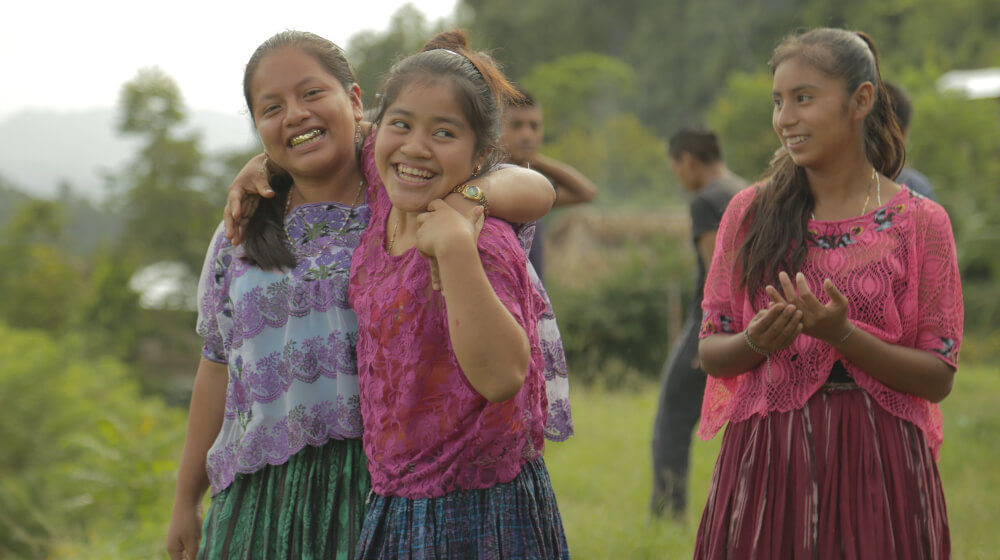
681, 389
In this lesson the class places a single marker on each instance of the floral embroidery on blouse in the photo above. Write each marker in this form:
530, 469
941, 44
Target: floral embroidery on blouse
288, 339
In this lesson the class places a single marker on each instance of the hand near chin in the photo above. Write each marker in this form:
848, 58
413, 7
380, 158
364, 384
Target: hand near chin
827, 322
443, 230
244, 194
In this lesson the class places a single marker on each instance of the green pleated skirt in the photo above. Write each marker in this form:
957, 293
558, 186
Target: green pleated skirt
311, 507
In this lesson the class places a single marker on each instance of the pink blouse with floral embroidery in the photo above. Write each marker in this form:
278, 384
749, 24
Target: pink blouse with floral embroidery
427, 432
897, 267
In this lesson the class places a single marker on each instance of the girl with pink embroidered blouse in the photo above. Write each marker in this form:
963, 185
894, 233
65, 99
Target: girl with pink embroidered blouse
452, 391
832, 324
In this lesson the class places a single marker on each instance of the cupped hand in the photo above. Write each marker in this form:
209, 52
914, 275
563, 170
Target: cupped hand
775, 327
827, 322
441, 227
244, 194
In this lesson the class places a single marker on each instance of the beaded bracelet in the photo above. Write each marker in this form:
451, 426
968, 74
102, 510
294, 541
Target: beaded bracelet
753, 345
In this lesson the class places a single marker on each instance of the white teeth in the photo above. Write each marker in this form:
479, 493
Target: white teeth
414, 172
303, 138
795, 139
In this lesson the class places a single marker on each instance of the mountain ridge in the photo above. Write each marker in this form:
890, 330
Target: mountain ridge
41, 151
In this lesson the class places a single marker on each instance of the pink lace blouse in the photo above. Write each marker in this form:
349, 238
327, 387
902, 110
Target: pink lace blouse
427, 432
896, 265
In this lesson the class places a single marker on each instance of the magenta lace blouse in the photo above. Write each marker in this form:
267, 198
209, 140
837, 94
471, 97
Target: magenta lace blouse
896, 265
427, 431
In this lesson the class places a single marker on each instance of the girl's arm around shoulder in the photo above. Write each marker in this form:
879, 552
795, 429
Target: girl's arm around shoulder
490, 343
515, 194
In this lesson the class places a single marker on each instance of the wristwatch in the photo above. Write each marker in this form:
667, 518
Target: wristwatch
473, 193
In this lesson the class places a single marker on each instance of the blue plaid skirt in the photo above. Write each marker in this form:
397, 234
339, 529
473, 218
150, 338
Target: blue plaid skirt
517, 520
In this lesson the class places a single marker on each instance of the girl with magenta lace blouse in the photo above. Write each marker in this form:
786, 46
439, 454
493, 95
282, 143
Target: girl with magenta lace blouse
452, 390
832, 324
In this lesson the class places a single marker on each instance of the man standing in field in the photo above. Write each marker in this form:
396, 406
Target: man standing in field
696, 160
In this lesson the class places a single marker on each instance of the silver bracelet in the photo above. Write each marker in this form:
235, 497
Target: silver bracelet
753, 345
846, 336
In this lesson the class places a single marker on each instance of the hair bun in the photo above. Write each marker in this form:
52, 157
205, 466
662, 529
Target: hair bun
454, 40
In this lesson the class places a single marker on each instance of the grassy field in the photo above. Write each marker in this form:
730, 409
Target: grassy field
602, 475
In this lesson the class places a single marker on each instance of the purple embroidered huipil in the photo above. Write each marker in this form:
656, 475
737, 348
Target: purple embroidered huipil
288, 338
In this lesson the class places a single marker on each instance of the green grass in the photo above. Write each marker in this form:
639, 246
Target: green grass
602, 476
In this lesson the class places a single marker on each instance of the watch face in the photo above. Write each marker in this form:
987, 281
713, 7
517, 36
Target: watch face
473, 191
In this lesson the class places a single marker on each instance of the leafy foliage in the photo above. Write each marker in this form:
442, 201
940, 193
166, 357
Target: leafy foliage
88, 461
615, 328
372, 53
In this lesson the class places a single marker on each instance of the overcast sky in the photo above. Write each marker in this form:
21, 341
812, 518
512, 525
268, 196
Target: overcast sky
71, 54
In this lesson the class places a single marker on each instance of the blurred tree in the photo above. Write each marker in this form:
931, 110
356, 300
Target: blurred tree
39, 280
587, 101
372, 53
683, 51
160, 192
580, 91
741, 116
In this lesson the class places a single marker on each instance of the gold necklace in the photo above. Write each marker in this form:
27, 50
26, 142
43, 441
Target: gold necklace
868, 194
349, 215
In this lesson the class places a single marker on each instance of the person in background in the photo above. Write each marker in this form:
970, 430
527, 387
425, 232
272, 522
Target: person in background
523, 131
696, 160
902, 107
832, 327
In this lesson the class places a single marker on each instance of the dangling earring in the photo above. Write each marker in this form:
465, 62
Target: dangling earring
477, 169
357, 133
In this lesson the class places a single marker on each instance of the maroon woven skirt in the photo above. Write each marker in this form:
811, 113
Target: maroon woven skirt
840, 478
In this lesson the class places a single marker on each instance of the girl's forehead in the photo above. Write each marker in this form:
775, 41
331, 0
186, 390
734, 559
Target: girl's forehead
424, 96
798, 71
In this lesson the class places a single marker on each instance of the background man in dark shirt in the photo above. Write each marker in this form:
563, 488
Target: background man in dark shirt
696, 160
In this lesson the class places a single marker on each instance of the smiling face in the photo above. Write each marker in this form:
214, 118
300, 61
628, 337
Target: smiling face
425, 145
814, 116
304, 116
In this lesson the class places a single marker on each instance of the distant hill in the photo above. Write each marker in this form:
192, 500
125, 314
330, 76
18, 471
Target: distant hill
39, 150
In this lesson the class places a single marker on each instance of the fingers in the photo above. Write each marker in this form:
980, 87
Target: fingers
435, 275
176, 550
788, 288
834, 294
262, 181
805, 294
478, 217
776, 327
774, 295
231, 214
